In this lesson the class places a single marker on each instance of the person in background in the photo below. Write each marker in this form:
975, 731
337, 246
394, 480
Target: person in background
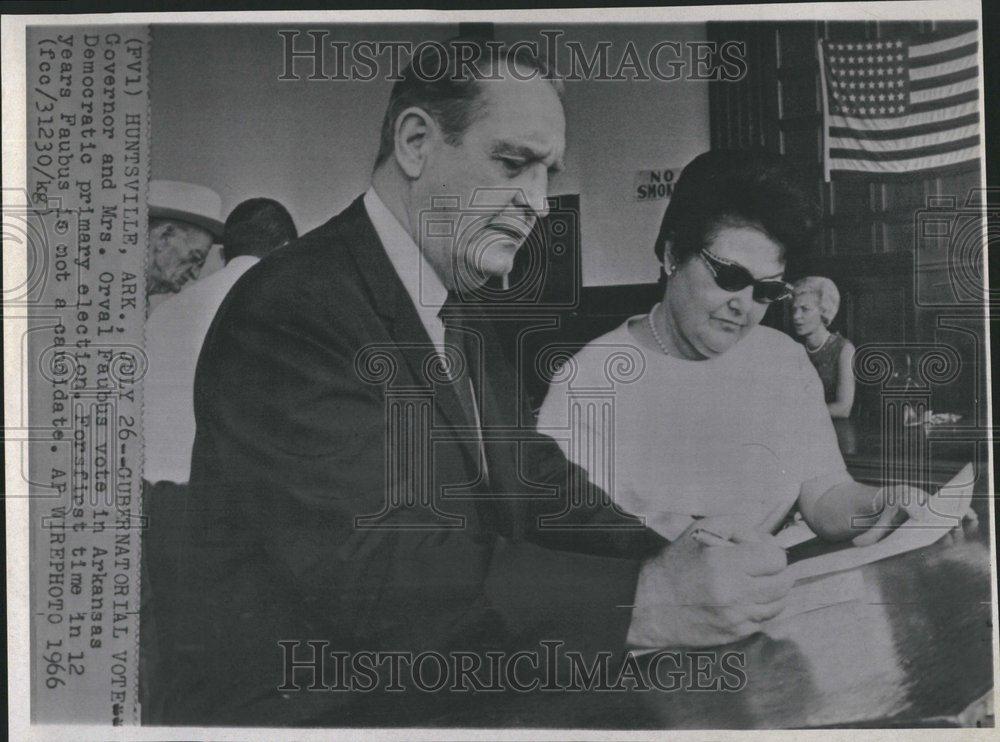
176, 330
726, 418
816, 301
185, 220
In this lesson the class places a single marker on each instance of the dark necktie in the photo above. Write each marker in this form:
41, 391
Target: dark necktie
466, 374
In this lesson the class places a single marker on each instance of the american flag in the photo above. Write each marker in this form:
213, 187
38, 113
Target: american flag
898, 105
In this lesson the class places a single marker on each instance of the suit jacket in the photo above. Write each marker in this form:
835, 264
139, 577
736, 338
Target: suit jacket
315, 380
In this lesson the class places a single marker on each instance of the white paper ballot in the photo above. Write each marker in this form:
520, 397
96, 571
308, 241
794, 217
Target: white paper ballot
795, 534
817, 593
947, 507
824, 580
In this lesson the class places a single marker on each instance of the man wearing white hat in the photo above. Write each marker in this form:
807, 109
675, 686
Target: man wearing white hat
185, 220
176, 330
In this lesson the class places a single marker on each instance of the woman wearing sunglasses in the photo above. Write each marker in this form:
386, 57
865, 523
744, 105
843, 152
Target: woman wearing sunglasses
722, 416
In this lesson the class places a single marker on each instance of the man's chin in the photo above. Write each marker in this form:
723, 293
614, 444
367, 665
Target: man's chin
473, 279
495, 262
498, 260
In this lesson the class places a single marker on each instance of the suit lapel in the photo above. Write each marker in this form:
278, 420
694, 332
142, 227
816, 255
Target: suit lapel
393, 305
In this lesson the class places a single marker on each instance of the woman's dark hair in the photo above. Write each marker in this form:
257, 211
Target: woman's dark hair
736, 188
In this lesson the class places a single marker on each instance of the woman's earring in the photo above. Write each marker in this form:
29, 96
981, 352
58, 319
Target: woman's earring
669, 271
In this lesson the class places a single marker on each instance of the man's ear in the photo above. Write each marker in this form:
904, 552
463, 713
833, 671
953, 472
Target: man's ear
415, 134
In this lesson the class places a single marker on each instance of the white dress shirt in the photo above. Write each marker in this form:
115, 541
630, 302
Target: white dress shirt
175, 332
423, 285
421, 282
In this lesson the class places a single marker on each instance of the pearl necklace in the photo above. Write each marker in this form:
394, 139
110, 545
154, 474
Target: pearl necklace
656, 334
819, 347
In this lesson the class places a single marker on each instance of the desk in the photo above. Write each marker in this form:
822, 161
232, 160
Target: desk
918, 654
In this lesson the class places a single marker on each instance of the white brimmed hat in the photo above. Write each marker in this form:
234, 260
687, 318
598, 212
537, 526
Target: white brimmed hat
187, 202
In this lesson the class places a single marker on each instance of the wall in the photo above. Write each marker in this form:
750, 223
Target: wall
222, 118
615, 128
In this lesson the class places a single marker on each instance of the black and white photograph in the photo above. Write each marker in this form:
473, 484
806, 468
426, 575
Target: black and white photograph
499, 374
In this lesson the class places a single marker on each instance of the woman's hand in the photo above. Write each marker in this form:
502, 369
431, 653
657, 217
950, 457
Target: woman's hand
887, 513
947, 511
894, 504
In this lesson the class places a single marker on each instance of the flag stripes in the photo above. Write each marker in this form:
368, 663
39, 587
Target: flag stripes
901, 105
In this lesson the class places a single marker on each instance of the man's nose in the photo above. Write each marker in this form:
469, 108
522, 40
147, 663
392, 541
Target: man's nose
534, 192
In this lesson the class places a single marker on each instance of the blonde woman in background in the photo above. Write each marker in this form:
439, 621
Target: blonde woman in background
816, 301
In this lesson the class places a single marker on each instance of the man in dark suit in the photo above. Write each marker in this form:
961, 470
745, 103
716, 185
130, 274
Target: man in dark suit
364, 475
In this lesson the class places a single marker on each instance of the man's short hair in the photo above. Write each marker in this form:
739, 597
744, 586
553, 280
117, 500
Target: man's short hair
440, 80
737, 188
256, 227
